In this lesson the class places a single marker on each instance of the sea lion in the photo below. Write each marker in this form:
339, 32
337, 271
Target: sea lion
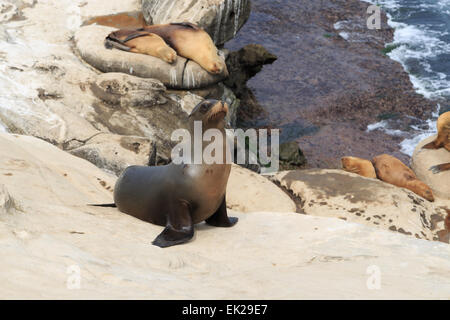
178, 196
189, 41
359, 166
442, 140
141, 42
391, 170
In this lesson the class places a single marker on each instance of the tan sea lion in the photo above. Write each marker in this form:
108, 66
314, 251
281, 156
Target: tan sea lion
191, 42
442, 140
391, 170
359, 166
188, 40
141, 42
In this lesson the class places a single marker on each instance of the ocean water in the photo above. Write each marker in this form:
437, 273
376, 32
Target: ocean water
422, 46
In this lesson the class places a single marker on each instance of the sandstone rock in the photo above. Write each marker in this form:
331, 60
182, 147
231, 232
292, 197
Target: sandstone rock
250, 192
182, 74
222, 19
291, 156
59, 247
421, 162
339, 194
115, 153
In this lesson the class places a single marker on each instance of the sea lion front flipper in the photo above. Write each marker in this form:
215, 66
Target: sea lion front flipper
440, 168
220, 217
179, 228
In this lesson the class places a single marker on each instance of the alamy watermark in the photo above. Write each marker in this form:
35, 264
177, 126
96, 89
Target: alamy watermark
374, 280
374, 19
211, 147
73, 281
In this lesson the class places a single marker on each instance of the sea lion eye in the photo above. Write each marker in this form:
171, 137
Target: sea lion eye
204, 108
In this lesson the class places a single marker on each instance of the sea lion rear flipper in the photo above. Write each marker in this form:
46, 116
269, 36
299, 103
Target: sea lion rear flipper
186, 24
440, 168
179, 228
118, 39
220, 217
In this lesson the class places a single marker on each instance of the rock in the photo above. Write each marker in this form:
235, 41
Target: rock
6, 201
115, 153
133, 106
7, 10
128, 91
182, 74
243, 65
250, 192
421, 162
291, 156
93, 252
350, 197
222, 19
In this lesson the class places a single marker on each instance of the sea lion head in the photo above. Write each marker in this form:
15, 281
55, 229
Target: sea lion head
422, 189
211, 113
217, 66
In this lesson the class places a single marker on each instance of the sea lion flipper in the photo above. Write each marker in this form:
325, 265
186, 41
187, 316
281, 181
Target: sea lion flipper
220, 217
179, 228
440, 168
186, 24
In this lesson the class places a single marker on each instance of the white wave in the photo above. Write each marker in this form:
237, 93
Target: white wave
384, 126
407, 146
417, 45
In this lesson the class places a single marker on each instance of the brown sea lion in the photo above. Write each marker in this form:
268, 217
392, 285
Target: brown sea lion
141, 42
391, 170
442, 140
189, 41
178, 196
359, 166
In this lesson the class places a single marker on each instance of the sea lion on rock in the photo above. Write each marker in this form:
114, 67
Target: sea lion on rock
391, 170
141, 42
178, 196
359, 166
442, 140
188, 40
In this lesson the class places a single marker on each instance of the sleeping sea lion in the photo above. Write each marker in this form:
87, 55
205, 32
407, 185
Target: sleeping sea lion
188, 40
393, 171
359, 166
442, 140
141, 42
178, 196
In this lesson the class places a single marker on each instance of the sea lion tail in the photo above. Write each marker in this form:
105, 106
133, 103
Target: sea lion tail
106, 205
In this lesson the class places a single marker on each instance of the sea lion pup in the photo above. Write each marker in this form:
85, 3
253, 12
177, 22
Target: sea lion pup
141, 42
442, 140
178, 196
359, 166
391, 170
191, 42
